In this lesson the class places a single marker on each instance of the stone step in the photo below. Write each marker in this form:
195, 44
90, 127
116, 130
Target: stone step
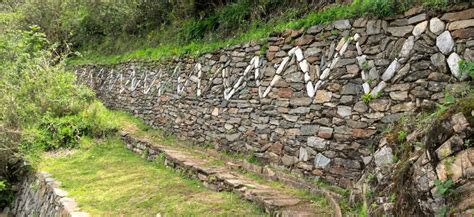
223, 178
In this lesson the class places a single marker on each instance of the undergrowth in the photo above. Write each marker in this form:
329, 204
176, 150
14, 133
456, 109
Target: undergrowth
201, 36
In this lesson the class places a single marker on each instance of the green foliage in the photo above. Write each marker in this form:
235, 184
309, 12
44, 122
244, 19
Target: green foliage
40, 102
363, 212
436, 4
367, 98
467, 67
3, 185
443, 212
393, 198
370, 178
6, 196
377, 8
402, 135
365, 65
444, 188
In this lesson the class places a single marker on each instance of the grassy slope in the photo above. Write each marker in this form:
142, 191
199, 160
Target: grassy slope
106, 179
93, 54
199, 47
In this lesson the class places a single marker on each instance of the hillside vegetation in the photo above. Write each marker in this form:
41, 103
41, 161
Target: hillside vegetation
110, 32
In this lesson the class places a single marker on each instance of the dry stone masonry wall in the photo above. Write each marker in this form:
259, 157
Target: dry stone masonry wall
448, 154
313, 101
40, 195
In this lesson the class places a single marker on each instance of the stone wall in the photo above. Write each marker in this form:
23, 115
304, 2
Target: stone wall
40, 195
443, 151
310, 100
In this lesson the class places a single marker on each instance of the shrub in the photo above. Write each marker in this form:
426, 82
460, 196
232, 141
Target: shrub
377, 8
35, 89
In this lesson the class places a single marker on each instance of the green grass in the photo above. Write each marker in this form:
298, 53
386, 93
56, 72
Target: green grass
106, 179
136, 127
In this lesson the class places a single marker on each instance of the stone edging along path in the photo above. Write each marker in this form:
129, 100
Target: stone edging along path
221, 178
40, 195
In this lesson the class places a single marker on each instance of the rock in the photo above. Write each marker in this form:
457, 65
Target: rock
378, 89
361, 60
412, 11
232, 137
273, 48
457, 169
403, 107
321, 161
309, 130
366, 87
215, 112
380, 104
459, 122
374, 27
469, 55
362, 133
383, 157
450, 146
401, 73
416, 19
323, 96
445, 42
303, 156
360, 107
390, 71
420, 28
461, 15
439, 61
317, 142
399, 95
276, 148
351, 89
299, 110
407, 46
285, 92
461, 24
373, 74
228, 126
399, 22
303, 101
346, 99
352, 69
312, 51
400, 31
288, 160
304, 40
360, 22
436, 26
344, 111
342, 24
356, 124
315, 29
325, 132
463, 33
291, 118
280, 54
453, 63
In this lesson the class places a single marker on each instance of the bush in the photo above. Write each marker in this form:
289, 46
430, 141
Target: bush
377, 8
36, 93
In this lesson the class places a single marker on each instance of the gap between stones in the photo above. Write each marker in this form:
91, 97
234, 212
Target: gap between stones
222, 178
